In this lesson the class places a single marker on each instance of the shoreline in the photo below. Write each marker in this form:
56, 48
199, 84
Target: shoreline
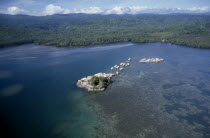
102, 44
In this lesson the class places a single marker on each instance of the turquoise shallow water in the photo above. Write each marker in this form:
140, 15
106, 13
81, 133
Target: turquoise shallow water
39, 98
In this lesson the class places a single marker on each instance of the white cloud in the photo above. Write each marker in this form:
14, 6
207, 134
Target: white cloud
53, 9
137, 9
199, 9
15, 10
114, 10
90, 10
117, 10
144, 9
127, 10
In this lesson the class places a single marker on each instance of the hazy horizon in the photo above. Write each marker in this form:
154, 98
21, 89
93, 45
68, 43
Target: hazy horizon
50, 7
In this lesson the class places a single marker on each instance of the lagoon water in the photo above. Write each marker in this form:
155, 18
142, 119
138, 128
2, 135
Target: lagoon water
39, 97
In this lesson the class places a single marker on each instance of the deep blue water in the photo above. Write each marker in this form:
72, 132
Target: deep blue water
39, 98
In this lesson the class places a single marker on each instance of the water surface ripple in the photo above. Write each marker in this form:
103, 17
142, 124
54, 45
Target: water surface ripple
39, 97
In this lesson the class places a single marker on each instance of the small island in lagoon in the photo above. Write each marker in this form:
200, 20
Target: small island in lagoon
151, 60
97, 82
100, 81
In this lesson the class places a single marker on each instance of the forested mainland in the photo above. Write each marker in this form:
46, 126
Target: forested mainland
86, 29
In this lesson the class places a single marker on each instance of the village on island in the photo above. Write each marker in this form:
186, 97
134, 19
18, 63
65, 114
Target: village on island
100, 81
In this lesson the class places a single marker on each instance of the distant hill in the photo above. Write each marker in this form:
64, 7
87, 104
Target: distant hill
92, 29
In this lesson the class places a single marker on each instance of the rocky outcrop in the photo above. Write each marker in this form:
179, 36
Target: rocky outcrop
97, 82
125, 64
100, 81
119, 68
151, 60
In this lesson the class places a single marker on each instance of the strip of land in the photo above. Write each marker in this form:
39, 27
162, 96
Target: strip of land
85, 30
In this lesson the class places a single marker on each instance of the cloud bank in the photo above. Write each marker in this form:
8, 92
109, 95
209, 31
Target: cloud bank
54, 9
15, 10
90, 10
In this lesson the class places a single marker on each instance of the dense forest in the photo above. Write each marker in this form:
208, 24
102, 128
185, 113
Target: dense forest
86, 29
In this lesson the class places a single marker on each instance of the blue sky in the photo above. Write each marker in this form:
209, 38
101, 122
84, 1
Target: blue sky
49, 7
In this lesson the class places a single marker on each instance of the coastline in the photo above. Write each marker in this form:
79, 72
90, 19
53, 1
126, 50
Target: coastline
103, 44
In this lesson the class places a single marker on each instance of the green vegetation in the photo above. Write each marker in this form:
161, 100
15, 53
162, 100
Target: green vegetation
100, 82
84, 29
